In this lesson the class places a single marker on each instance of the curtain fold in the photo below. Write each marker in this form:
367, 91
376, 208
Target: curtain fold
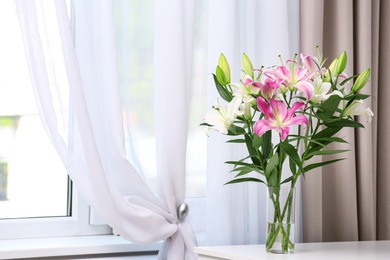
172, 78
382, 133
80, 90
235, 213
347, 200
79, 99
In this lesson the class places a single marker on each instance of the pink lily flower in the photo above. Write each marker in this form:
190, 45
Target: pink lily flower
294, 78
313, 64
278, 117
309, 62
246, 89
249, 81
268, 88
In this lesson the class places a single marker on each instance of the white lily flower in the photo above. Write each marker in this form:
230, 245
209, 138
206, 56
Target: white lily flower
245, 89
222, 116
321, 91
357, 108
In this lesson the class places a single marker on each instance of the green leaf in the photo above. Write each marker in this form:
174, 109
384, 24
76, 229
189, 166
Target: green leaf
348, 79
223, 91
293, 166
320, 140
344, 123
267, 144
325, 133
245, 180
237, 163
293, 154
252, 151
236, 141
257, 141
273, 178
326, 152
356, 96
287, 180
320, 164
331, 140
236, 130
271, 165
329, 107
248, 167
242, 171
238, 169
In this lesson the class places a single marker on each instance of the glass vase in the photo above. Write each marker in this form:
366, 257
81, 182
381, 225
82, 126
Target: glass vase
280, 219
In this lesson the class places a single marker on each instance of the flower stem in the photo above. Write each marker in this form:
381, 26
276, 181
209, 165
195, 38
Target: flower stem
281, 225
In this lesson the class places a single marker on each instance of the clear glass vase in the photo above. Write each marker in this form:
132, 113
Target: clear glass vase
280, 219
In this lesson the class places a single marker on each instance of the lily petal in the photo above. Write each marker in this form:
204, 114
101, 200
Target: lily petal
306, 88
264, 107
262, 126
309, 62
284, 131
299, 120
295, 107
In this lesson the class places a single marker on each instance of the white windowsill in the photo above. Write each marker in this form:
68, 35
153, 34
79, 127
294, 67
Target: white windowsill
69, 246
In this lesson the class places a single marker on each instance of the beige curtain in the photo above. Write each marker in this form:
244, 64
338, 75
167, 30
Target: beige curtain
350, 200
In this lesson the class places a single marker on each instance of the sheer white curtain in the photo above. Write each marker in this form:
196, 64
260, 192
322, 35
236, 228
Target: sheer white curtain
173, 63
263, 30
78, 96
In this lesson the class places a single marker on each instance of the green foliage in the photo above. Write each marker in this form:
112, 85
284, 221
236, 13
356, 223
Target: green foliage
326, 118
328, 108
292, 152
222, 89
245, 180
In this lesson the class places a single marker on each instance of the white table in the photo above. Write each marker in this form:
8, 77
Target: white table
363, 250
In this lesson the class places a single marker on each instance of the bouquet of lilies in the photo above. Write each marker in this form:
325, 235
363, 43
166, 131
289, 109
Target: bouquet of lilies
319, 101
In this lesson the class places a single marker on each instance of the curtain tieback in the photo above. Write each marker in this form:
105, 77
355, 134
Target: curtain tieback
182, 211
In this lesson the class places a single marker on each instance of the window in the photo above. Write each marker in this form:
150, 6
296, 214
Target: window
36, 195
33, 181
47, 205
135, 47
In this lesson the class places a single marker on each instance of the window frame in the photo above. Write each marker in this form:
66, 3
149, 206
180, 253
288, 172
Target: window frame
83, 221
87, 247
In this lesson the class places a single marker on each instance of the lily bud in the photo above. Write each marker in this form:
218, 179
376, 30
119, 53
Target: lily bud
220, 76
247, 65
361, 81
224, 66
342, 63
332, 71
333, 67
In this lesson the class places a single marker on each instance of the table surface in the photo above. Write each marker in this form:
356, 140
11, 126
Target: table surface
367, 250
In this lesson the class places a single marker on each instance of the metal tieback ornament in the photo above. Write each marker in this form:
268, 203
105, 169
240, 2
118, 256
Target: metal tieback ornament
182, 211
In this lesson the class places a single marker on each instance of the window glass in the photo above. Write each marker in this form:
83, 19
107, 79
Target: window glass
33, 181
